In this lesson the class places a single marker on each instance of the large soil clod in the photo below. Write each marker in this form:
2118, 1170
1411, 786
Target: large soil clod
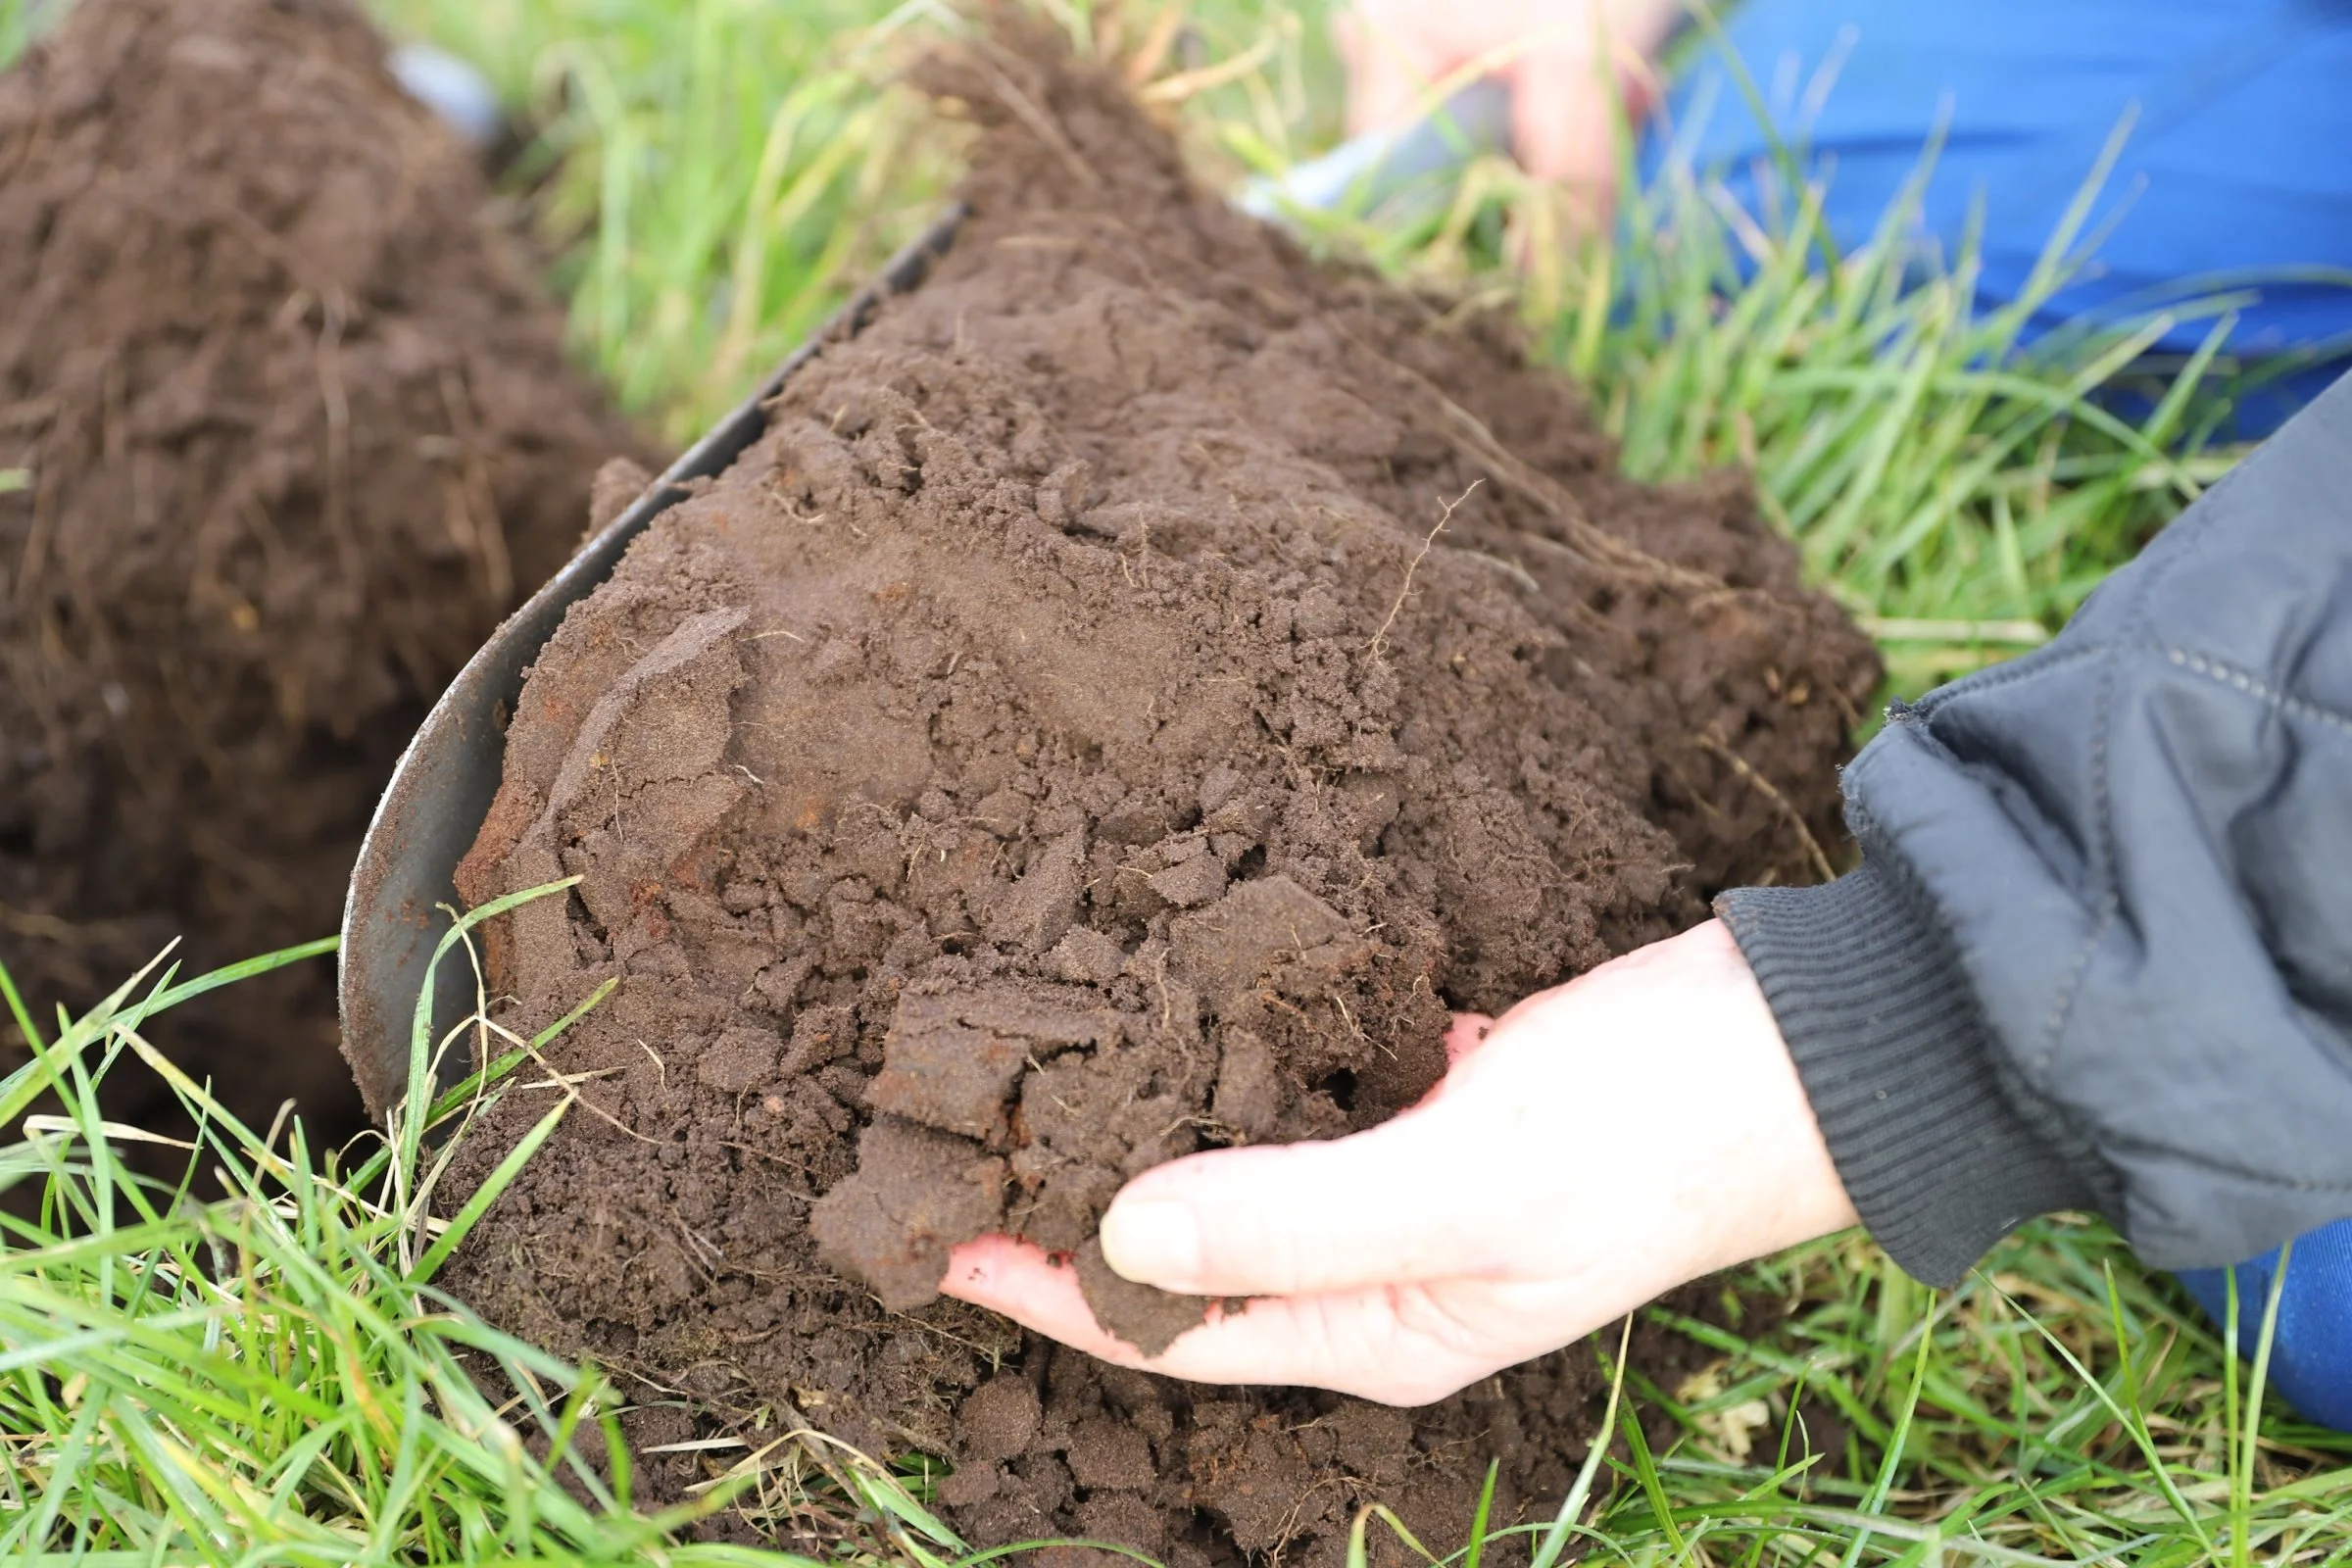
1132, 692
299, 431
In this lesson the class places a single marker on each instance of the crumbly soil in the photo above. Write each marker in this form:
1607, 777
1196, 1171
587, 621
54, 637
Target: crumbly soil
299, 431
1134, 690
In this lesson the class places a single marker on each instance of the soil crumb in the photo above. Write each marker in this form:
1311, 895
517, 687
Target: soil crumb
1132, 692
298, 430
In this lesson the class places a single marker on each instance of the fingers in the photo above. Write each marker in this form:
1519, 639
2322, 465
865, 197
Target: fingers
1400, 1204
1567, 100
1398, 1346
1467, 1032
1572, 69
1036, 1291
1463, 1037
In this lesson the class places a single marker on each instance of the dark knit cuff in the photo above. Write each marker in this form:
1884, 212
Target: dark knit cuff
1903, 1072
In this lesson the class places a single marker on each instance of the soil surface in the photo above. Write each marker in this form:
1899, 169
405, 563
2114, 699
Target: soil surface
298, 430
1134, 690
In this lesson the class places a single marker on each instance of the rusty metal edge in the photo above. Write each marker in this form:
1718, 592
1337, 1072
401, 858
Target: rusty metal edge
404, 881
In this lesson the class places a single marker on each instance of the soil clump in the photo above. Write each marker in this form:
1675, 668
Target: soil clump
297, 430
1132, 692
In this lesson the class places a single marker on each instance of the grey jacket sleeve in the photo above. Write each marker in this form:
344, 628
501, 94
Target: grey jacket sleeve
2099, 950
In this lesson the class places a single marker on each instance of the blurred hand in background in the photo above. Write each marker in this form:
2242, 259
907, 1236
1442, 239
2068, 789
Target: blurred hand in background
1572, 67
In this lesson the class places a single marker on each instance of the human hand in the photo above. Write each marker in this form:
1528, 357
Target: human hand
1569, 64
1605, 1141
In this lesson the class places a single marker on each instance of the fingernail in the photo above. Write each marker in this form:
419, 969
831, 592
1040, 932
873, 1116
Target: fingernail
1151, 1242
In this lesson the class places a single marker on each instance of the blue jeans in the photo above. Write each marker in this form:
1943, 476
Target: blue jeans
2311, 1355
2235, 171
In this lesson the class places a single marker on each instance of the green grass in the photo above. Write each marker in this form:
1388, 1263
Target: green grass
719, 175
1958, 495
16, 28
271, 1376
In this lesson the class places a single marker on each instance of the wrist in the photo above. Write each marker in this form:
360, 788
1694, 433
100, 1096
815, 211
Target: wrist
1779, 1163
1676, 1048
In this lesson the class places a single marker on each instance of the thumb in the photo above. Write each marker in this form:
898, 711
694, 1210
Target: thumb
1382, 1207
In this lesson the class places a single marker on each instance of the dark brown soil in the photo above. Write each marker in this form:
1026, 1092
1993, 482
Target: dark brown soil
1069, 741
299, 431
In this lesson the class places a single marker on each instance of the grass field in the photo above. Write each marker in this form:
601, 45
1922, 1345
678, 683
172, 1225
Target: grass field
274, 1378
